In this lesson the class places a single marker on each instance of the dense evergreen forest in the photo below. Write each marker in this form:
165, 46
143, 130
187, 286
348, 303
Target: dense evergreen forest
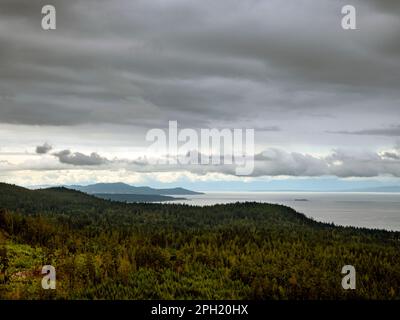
113, 250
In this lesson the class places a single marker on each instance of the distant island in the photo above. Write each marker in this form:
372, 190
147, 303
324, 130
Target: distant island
135, 197
123, 192
123, 188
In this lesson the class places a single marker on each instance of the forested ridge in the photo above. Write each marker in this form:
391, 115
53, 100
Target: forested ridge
112, 250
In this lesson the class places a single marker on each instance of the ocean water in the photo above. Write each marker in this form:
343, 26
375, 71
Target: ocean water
369, 210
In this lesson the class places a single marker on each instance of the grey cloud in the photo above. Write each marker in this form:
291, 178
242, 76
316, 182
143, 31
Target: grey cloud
43, 149
185, 60
266, 128
113, 68
393, 131
80, 159
387, 6
391, 155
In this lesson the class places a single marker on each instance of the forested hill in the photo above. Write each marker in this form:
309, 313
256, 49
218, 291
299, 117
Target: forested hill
67, 201
62, 201
111, 250
18, 198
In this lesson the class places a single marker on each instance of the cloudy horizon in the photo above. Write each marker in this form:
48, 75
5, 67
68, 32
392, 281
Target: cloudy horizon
76, 102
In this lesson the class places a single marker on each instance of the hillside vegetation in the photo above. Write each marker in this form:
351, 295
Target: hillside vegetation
110, 250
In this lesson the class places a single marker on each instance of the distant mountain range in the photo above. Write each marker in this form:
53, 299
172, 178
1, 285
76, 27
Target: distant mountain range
123, 188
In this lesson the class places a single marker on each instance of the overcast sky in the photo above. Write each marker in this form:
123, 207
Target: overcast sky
76, 102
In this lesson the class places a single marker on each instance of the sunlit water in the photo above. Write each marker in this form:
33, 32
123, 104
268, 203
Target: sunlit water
370, 210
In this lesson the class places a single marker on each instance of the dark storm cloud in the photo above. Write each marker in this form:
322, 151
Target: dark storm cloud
43, 149
139, 62
80, 159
